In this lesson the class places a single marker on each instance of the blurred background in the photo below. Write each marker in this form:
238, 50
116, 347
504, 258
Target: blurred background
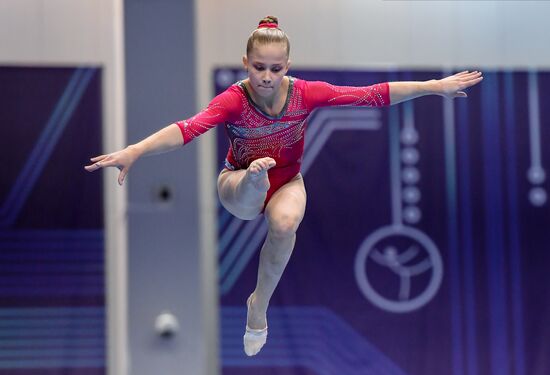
432, 258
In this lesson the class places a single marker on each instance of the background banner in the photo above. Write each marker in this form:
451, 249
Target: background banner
52, 318
424, 247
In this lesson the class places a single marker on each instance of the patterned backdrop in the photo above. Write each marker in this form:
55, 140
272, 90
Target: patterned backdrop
52, 318
425, 245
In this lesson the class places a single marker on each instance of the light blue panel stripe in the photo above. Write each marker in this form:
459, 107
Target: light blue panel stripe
46, 363
52, 331
72, 290
468, 255
60, 124
54, 341
514, 225
85, 279
41, 312
84, 246
258, 236
23, 179
250, 228
234, 228
223, 217
45, 145
494, 229
57, 322
85, 257
68, 267
61, 353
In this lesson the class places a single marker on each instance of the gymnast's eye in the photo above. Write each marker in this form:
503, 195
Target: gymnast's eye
276, 70
259, 68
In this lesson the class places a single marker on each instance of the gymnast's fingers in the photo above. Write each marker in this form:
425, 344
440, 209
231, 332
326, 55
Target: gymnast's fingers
122, 176
97, 158
470, 75
106, 162
93, 167
471, 82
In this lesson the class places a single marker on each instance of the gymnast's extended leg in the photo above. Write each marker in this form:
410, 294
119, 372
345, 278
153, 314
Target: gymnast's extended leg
283, 213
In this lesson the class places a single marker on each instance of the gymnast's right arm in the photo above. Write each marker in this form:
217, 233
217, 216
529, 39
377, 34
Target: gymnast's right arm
171, 137
164, 140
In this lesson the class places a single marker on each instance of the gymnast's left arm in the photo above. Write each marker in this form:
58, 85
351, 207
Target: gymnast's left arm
449, 87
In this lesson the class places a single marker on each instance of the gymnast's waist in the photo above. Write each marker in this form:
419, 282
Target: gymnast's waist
289, 170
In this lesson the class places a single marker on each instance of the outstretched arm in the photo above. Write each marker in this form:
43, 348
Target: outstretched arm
164, 140
449, 87
173, 136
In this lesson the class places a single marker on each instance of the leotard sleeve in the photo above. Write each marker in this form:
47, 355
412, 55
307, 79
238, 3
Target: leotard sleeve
220, 110
323, 94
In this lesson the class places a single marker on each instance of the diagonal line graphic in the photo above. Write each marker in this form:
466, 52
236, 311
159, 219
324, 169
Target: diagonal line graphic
250, 228
228, 235
45, 144
259, 233
42, 139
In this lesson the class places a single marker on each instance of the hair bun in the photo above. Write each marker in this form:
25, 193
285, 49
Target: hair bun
269, 19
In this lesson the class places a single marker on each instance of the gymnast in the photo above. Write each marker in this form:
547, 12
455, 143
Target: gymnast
265, 119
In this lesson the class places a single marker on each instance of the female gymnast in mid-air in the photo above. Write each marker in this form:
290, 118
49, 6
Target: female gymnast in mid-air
265, 118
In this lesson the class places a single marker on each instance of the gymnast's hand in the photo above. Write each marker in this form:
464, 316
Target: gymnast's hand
451, 87
122, 160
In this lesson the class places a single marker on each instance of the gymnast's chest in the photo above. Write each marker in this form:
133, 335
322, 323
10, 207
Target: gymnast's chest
261, 128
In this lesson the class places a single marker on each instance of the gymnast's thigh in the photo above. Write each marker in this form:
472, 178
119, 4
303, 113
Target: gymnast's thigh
288, 203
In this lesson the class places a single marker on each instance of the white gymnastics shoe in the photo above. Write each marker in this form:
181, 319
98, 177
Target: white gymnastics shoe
253, 339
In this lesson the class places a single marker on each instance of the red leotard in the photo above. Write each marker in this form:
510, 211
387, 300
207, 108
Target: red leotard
254, 134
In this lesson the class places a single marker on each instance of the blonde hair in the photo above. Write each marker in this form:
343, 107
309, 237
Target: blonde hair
267, 35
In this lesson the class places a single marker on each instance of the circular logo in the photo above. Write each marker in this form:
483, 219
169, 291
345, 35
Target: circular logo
398, 268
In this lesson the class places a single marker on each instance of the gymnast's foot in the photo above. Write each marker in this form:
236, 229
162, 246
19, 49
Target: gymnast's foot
255, 335
256, 174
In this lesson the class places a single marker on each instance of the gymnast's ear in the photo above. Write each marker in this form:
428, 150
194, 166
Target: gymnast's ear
245, 62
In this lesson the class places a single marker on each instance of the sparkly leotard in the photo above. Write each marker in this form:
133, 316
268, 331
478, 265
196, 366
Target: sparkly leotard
254, 134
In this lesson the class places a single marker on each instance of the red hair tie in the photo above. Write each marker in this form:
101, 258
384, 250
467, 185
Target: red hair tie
268, 25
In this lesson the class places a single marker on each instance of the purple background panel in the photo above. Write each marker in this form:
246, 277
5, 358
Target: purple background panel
424, 245
52, 293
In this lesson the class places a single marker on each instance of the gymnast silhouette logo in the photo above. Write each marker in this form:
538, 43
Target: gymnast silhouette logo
398, 268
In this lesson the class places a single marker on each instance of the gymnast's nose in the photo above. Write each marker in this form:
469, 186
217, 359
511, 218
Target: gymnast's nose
266, 79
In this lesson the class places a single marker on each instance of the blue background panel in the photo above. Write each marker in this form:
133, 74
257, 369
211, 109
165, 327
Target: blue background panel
423, 247
52, 292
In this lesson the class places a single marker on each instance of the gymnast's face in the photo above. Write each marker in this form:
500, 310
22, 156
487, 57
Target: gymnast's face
267, 64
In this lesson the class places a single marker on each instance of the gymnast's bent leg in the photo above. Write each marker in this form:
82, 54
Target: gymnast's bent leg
284, 213
243, 192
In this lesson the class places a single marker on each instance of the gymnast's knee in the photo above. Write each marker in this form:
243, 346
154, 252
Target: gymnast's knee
284, 225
